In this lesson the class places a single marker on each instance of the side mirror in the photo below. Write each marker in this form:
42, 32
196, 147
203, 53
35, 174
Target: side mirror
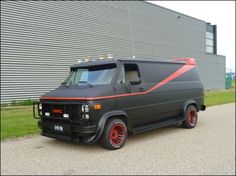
135, 82
129, 83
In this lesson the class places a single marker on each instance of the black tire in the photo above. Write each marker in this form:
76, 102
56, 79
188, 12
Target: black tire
114, 134
190, 117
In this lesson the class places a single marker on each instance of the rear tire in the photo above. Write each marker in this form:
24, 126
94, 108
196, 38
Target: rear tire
190, 117
114, 134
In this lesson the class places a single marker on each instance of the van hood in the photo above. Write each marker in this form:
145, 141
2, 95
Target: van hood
78, 92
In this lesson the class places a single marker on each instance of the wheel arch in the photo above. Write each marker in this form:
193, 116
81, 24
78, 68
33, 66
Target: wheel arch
103, 120
188, 103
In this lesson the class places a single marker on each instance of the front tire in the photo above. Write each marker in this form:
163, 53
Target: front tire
191, 117
114, 134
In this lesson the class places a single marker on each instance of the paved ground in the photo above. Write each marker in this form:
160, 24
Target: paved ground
207, 149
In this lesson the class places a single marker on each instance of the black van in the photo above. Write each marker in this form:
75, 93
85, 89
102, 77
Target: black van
107, 99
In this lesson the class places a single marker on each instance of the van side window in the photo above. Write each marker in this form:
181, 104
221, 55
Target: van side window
131, 73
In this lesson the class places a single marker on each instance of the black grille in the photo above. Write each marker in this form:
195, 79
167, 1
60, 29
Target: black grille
57, 111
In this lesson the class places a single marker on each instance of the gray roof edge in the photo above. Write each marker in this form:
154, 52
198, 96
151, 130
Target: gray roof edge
116, 60
156, 60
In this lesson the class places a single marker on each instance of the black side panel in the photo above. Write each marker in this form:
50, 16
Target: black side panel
153, 73
168, 100
164, 102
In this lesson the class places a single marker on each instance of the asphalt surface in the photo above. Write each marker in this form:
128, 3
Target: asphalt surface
209, 149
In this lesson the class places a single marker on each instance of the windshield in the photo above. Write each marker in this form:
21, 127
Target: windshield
92, 75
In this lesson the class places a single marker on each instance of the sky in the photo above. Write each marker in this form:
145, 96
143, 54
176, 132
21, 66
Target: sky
221, 13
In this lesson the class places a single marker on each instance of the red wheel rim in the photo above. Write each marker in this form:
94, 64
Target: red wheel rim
117, 134
192, 118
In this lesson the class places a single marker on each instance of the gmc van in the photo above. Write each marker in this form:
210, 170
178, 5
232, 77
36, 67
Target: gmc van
108, 99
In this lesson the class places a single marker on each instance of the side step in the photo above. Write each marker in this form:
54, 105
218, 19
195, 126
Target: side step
163, 123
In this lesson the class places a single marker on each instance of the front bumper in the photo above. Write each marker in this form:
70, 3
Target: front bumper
74, 128
70, 131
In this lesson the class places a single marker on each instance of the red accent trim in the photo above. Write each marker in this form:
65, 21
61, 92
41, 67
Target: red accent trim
190, 63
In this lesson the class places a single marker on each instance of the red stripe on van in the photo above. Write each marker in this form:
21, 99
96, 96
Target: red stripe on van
188, 66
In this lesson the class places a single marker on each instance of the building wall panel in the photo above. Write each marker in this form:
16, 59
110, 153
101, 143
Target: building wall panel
41, 39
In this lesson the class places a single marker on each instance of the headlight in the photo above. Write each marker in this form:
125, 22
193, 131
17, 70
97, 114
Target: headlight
85, 112
86, 116
85, 108
47, 114
40, 106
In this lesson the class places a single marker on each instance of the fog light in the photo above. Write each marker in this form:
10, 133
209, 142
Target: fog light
40, 106
66, 115
47, 114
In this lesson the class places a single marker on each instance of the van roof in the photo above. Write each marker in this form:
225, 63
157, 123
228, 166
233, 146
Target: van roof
115, 61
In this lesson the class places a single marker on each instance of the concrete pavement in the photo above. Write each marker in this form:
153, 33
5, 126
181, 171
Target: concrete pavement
209, 149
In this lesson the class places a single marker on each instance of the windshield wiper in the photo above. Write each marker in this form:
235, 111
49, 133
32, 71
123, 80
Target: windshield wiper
65, 84
85, 82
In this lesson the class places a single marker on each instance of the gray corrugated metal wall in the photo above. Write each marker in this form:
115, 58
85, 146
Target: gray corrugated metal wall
40, 40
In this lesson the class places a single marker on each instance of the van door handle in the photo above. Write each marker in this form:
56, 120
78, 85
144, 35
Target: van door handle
141, 89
